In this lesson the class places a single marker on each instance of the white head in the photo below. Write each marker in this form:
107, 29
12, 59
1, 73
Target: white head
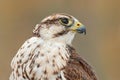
59, 26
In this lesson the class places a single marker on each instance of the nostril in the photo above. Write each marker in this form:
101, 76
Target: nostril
78, 24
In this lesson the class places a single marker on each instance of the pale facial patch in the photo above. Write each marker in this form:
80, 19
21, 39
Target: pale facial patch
48, 33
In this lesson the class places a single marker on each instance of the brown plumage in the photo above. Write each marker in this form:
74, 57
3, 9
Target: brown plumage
49, 55
78, 69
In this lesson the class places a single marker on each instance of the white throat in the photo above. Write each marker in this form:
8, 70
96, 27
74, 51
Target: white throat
66, 38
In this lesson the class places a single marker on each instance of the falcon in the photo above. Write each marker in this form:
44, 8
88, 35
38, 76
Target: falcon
49, 54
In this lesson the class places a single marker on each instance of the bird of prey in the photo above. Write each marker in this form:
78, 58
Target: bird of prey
49, 54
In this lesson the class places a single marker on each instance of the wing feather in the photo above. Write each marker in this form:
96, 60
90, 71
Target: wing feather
78, 69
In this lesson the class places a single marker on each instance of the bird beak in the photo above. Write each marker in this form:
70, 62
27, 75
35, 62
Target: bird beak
78, 27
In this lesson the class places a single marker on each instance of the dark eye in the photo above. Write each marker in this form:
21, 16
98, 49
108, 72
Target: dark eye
64, 20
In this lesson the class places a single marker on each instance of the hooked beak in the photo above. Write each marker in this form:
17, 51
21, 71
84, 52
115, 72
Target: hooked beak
78, 27
81, 29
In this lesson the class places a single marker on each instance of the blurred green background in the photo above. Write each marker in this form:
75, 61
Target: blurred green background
100, 47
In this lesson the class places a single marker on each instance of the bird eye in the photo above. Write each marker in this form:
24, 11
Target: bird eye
66, 22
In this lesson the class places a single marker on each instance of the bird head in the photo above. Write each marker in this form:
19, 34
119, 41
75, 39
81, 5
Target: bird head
59, 25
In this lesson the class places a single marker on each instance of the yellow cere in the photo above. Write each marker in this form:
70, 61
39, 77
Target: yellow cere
75, 26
